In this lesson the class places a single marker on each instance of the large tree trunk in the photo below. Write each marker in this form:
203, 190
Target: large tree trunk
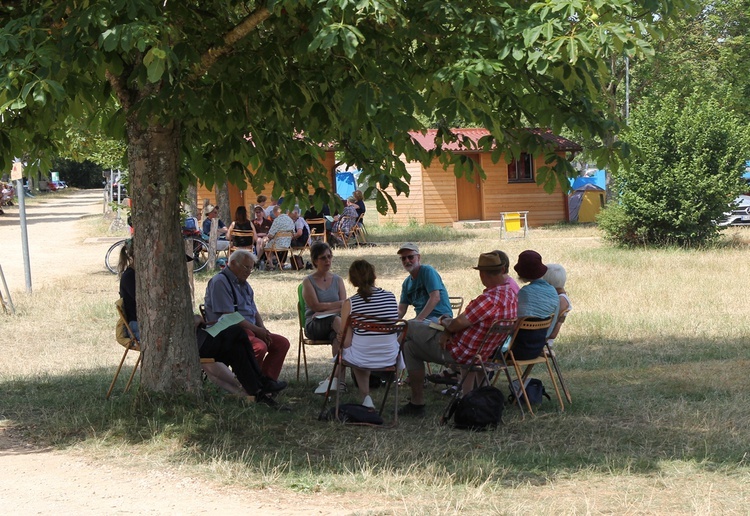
222, 201
165, 314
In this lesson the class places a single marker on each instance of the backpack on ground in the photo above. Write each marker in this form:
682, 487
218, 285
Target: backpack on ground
353, 414
534, 389
297, 262
480, 409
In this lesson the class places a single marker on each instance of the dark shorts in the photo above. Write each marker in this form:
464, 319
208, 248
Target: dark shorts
320, 329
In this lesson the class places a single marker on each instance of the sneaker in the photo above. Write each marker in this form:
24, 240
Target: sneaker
367, 402
287, 266
413, 410
323, 386
450, 391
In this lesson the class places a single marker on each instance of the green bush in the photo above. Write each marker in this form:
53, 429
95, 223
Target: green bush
686, 169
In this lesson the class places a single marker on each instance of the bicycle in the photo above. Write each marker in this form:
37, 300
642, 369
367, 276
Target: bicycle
200, 254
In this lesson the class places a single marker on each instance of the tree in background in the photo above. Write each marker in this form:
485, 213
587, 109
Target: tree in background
202, 89
705, 53
85, 174
685, 172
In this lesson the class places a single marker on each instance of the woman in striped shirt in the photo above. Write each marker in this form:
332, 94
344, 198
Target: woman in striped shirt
363, 349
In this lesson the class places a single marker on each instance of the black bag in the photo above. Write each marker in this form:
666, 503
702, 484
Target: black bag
297, 262
353, 413
534, 389
480, 409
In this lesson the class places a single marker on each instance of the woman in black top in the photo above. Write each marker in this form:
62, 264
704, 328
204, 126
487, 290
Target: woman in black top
242, 223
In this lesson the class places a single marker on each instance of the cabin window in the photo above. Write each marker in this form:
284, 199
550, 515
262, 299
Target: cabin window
521, 170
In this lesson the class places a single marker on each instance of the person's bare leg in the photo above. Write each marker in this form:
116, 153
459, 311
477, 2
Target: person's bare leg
363, 381
336, 343
416, 383
469, 381
222, 376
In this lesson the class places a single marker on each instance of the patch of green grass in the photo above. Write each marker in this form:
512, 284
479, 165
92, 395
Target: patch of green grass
415, 232
655, 354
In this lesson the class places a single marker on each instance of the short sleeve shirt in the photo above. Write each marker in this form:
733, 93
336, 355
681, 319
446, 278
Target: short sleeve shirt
207, 226
416, 292
225, 295
492, 304
281, 223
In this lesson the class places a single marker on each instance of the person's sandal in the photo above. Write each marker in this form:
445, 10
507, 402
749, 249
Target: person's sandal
444, 378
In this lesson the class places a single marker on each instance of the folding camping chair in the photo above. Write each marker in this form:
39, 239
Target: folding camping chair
318, 230
303, 340
370, 324
550, 353
280, 251
478, 369
527, 324
124, 337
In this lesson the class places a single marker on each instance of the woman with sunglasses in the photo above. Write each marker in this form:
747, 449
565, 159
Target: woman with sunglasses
324, 294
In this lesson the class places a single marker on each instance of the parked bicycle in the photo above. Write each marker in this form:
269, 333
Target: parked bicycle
200, 254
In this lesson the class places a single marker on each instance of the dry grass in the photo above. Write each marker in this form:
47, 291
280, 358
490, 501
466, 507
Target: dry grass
655, 353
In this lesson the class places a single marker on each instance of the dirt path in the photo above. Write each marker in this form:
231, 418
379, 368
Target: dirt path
58, 245
43, 481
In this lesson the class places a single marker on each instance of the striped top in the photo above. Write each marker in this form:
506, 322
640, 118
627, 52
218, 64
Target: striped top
382, 303
372, 349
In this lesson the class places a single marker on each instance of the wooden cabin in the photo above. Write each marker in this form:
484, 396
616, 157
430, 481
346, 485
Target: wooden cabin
239, 197
438, 197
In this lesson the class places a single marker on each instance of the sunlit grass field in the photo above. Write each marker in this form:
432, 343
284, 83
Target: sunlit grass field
655, 353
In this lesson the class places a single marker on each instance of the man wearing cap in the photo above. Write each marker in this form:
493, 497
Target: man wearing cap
462, 337
423, 287
228, 292
211, 213
536, 299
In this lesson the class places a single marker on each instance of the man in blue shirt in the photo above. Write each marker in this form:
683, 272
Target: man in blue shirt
229, 292
423, 288
212, 212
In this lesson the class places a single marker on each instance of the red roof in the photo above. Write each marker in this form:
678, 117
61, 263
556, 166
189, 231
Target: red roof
427, 140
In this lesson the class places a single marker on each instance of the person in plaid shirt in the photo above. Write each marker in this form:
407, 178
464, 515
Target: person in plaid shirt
462, 336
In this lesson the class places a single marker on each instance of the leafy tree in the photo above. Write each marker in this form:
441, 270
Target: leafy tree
218, 85
85, 174
691, 154
706, 52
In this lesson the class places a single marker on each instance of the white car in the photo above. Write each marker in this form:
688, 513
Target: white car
740, 214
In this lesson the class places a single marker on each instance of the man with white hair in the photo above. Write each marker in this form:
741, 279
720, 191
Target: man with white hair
228, 292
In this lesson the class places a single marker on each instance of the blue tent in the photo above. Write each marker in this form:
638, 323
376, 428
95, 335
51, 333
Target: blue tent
598, 179
345, 184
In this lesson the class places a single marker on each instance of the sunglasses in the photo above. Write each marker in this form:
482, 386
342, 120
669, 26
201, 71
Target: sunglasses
409, 257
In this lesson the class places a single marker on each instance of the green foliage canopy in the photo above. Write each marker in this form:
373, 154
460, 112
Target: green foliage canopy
205, 88
686, 172
270, 83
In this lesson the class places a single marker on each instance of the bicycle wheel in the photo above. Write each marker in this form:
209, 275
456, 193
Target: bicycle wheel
200, 254
113, 256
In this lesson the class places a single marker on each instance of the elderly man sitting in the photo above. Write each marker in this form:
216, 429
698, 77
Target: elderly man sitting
465, 333
229, 292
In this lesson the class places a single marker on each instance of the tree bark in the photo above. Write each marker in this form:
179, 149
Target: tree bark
192, 201
170, 356
222, 201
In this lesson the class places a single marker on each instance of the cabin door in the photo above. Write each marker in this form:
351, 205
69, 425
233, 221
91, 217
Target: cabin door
469, 195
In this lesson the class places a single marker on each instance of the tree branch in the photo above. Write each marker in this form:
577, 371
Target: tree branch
245, 27
122, 93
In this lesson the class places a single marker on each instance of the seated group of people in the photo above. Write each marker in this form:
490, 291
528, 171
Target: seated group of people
256, 355
459, 339
265, 229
